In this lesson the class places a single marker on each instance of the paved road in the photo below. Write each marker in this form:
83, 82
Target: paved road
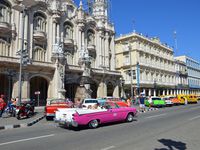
163, 129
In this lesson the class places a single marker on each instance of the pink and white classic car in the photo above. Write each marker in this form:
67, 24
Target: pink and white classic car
92, 118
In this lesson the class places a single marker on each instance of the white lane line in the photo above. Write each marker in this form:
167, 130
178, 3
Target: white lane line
194, 118
28, 139
107, 148
155, 116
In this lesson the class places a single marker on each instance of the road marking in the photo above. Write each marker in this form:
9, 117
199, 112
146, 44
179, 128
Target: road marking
194, 118
107, 148
28, 139
155, 116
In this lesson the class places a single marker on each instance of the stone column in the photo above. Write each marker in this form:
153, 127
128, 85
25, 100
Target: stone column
107, 50
149, 92
167, 91
25, 86
116, 91
144, 91
154, 92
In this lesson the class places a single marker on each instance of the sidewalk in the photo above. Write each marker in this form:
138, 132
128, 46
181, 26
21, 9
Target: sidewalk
13, 122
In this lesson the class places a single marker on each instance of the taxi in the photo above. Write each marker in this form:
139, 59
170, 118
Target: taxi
182, 98
192, 98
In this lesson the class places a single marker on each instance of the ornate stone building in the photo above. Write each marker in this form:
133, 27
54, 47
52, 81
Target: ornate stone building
70, 52
149, 62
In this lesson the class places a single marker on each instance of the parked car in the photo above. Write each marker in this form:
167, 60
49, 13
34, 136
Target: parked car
92, 118
155, 102
181, 98
53, 104
192, 98
89, 101
175, 100
168, 101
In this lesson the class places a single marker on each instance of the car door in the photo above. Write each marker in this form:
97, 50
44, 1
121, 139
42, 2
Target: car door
112, 114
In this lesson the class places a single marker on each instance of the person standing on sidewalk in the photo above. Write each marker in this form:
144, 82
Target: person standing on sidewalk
141, 101
2, 104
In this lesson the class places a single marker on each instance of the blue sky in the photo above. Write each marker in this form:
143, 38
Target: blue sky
161, 18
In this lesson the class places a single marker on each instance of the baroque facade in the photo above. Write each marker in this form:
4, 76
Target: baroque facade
147, 65
63, 44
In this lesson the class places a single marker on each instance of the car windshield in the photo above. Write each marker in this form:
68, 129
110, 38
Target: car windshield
110, 105
156, 98
91, 101
56, 101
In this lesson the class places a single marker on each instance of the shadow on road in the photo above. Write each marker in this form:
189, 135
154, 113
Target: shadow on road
172, 145
81, 128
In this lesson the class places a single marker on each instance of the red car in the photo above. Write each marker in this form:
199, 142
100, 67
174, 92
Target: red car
54, 104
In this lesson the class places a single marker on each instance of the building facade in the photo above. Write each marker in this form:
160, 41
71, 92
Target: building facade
182, 86
193, 71
57, 36
146, 64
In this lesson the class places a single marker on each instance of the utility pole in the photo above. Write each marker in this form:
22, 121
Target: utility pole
175, 42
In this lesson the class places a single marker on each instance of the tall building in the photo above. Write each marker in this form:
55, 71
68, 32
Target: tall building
193, 71
66, 51
146, 64
181, 77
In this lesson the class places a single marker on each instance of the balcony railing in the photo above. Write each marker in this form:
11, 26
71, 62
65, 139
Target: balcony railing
5, 27
68, 42
39, 35
91, 47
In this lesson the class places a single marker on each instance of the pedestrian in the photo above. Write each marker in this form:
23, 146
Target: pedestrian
2, 104
78, 103
128, 101
141, 101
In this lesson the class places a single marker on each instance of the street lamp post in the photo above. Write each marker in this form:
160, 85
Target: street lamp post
155, 87
24, 4
131, 67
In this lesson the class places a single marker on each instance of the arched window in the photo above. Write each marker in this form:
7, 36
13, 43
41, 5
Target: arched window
5, 12
90, 37
39, 22
68, 30
39, 54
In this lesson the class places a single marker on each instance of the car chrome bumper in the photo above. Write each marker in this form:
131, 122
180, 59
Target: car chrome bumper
66, 123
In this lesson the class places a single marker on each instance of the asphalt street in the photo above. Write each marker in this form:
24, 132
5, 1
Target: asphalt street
175, 128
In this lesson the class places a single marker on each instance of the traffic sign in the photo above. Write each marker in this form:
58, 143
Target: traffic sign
37, 92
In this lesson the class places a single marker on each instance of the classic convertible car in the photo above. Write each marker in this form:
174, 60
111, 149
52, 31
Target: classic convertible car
53, 104
109, 112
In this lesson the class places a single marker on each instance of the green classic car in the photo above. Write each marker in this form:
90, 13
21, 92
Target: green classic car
155, 102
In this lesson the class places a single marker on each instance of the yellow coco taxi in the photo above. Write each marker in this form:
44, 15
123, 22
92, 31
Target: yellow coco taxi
181, 98
192, 98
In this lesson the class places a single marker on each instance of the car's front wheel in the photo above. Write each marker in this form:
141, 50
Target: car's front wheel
93, 124
129, 117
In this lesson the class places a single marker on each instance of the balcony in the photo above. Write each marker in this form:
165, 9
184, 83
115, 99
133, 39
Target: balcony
5, 27
68, 42
182, 73
91, 47
39, 35
28, 3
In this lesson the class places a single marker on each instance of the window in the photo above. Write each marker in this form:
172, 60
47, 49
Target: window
90, 37
39, 22
68, 30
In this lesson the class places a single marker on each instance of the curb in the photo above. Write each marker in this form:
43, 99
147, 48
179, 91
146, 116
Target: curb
21, 125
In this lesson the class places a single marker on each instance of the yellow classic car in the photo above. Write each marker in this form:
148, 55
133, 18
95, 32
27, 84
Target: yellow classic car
181, 98
192, 98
